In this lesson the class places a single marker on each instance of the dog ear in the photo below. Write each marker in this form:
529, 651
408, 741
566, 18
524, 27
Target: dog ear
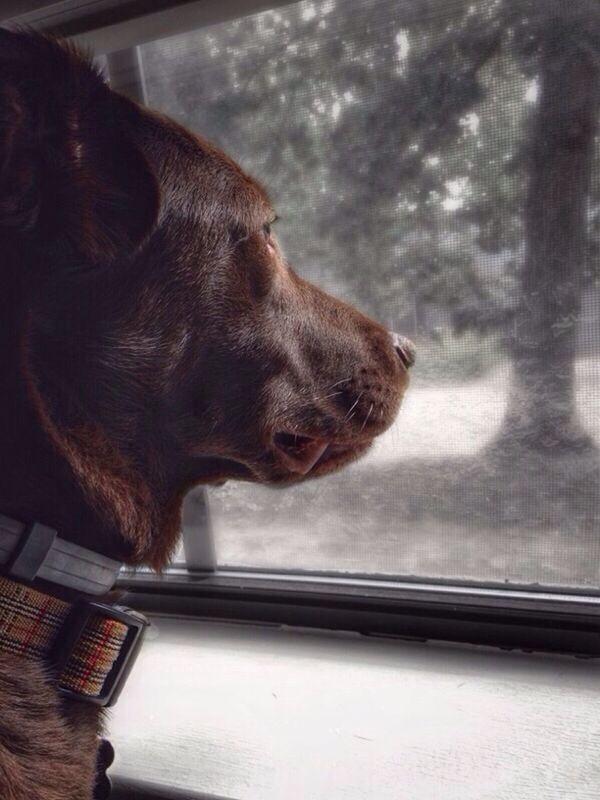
72, 179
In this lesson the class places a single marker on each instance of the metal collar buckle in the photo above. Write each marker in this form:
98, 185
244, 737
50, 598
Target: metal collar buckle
73, 629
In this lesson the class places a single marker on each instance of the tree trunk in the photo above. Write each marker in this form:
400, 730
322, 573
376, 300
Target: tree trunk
541, 412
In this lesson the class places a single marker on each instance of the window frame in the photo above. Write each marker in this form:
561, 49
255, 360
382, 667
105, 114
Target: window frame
516, 618
109, 25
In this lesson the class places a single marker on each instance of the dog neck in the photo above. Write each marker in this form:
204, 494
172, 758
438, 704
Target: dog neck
37, 482
105, 490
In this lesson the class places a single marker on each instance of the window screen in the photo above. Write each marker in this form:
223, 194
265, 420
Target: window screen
435, 163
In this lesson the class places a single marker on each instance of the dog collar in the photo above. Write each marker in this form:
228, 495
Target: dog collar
36, 551
89, 647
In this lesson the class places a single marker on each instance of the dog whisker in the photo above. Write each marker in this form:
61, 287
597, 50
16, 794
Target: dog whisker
326, 397
366, 418
347, 418
340, 382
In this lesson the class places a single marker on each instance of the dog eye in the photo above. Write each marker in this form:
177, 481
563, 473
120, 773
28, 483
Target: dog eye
267, 227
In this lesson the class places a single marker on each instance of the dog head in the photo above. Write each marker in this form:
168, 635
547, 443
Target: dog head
165, 340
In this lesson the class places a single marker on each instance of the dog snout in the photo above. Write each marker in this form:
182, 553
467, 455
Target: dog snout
406, 350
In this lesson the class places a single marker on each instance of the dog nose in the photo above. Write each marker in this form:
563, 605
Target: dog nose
407, 352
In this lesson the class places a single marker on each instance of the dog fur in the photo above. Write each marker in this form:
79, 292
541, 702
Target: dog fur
152, 337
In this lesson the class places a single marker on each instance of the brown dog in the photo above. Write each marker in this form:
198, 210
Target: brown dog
152, 338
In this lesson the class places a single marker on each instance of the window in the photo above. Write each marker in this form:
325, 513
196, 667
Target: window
436, 164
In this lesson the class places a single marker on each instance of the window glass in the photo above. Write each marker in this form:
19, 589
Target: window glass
436, 164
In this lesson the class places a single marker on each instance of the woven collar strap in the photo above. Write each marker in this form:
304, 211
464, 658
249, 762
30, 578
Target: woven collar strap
36, 551
37, 625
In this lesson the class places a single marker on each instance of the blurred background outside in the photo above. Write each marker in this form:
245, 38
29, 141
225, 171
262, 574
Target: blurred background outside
436, 163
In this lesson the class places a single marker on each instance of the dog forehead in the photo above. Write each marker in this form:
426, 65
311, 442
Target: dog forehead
196, 175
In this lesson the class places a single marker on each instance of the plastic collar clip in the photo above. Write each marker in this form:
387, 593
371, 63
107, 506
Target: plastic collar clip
31, 552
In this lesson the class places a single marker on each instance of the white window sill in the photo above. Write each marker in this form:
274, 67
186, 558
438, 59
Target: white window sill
264, 714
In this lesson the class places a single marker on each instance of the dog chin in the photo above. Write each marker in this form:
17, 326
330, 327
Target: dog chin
216, 471
337, 456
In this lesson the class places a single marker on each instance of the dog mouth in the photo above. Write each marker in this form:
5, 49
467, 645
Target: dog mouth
297, 454
301, 454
